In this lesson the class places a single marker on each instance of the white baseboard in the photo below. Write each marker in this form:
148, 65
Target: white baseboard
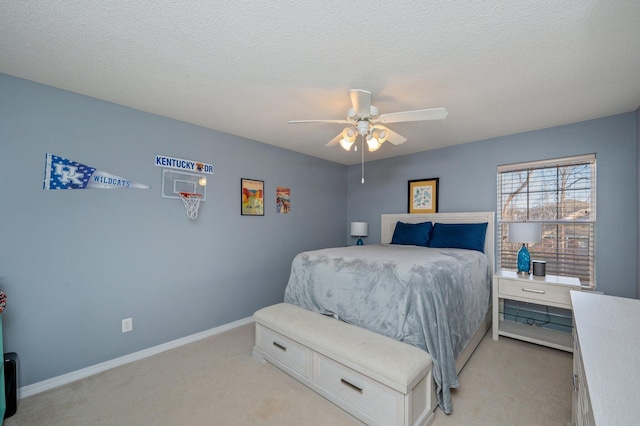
55, 382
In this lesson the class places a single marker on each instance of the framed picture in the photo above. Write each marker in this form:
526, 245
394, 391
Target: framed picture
252, 197
423, 196
283, 200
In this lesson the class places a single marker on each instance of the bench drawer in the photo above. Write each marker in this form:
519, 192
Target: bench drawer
290, 353
377, 403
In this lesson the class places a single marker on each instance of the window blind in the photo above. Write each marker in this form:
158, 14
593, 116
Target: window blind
560, 195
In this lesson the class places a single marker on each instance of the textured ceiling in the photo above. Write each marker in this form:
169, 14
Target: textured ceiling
246, 68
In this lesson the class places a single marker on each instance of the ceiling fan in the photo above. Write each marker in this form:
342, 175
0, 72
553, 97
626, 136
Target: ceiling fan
364, 119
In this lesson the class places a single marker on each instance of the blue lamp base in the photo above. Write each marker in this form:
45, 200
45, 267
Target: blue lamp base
524, 260
359, 243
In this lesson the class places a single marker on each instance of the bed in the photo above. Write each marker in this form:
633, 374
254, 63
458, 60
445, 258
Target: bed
435, 298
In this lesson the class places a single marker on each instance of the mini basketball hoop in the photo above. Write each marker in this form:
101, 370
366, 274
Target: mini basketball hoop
191, 203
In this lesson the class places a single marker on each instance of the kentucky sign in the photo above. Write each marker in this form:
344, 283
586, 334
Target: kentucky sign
180, 164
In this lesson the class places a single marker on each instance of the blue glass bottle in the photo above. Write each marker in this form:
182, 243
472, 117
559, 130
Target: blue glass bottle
524, 260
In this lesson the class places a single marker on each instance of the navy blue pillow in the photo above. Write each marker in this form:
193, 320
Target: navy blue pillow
459, 235
415, 234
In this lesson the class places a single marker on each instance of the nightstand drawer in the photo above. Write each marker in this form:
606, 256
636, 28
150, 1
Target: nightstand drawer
547, 293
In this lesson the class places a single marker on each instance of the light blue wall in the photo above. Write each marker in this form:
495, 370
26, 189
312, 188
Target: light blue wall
74, 263
468, 183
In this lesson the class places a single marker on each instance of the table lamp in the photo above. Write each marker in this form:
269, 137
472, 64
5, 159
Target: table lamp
525, 233
359, 229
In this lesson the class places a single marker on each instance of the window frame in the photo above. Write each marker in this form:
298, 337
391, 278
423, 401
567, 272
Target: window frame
579, 246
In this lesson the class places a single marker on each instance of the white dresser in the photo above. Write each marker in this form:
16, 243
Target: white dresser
606, 359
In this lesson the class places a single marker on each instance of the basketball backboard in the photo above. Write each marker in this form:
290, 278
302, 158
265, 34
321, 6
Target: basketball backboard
174, 182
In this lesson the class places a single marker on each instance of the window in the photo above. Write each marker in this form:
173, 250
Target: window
560, 195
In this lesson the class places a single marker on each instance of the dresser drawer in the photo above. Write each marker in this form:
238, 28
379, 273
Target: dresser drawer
288, 352
547, 293
378, 403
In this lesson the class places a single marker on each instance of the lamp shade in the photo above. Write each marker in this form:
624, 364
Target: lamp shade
345, 144
525, 232
373, 143
359, 229
380, 133
349, 134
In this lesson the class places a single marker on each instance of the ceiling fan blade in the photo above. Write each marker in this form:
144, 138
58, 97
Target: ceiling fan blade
417, 115
318, 121
361, 100
335, 140
395, 138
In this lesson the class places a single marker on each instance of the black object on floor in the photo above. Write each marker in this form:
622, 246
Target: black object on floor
11, 383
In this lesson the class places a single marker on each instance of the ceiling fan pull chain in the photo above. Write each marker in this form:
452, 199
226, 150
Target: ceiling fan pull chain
362, 154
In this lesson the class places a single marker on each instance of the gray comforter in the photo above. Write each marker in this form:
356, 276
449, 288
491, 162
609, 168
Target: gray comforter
431, 298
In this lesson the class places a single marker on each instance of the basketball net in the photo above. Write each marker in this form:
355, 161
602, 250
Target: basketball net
191, 203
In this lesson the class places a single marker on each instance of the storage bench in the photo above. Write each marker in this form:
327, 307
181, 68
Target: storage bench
375, 378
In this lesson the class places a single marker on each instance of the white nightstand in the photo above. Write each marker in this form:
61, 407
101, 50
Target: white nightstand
550, 290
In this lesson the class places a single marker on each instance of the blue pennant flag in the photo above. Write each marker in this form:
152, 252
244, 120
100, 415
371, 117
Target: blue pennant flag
61, 173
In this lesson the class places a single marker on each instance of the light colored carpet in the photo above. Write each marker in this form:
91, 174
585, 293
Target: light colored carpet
216, 381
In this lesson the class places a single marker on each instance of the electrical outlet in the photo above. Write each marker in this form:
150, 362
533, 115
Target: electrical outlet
127, 324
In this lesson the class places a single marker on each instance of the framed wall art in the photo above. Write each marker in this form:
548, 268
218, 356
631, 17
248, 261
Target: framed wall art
283, 200
252, 193
423, 196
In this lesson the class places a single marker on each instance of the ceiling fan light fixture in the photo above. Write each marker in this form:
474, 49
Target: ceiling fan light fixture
365, 119
363, 127
380, 134
349, 134
345, 144
373, 143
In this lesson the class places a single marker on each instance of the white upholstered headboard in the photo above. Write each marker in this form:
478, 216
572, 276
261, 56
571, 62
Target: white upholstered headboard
388, 225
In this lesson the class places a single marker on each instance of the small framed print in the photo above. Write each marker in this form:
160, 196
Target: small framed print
252, 194
283, 200
423, 196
